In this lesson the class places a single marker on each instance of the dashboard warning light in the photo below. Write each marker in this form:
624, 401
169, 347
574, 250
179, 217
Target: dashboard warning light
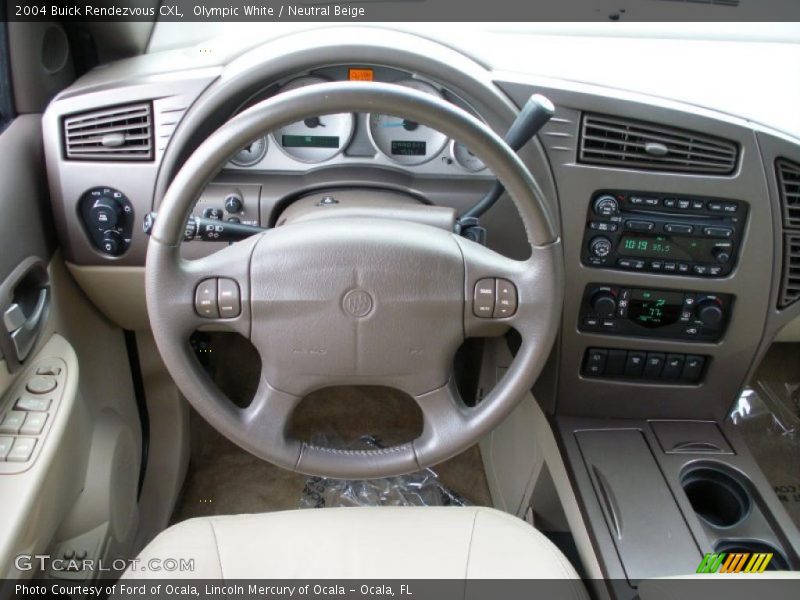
361, 75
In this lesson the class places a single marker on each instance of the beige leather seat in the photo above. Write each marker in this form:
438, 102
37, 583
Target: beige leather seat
374, 543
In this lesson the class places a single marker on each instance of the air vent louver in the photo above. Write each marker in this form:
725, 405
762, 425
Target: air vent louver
625, 143
789, 187
790, 280
788, 175
120, 133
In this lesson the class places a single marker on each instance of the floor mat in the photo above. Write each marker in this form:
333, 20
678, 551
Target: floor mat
767, 415
224, 479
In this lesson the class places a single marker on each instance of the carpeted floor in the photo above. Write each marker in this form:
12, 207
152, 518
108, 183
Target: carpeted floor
224, 479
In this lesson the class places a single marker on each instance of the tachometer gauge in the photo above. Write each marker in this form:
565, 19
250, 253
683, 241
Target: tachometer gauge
465, 158
404, 141
318, 138
251, 154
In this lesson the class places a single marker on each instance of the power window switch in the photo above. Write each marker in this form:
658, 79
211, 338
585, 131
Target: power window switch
484, 298
48, 369
22, 449
31, 404
5, 446
34, 424
12, 421
596, 361
634, 366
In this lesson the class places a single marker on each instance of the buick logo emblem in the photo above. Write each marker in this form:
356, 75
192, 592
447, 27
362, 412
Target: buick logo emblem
357, 303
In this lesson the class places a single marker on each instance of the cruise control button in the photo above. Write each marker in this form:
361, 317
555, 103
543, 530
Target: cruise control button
5, 446
505, 304
653, 365
41, 384
672, 366
228, 299
205, 299
31, 404
483, 298
21, 450
692, 368
34, 424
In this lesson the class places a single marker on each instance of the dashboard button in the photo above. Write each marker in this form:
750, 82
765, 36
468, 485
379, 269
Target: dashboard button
678, 228
683, 268
603, 226
615, 363
692, 368
698, 204
670, 267
700, 269
723, 232
684, 204
634, 365
730, 207
596, 361
591, 322
653, 365
673, 366
639, 225
483, 298
670, 202
213, 213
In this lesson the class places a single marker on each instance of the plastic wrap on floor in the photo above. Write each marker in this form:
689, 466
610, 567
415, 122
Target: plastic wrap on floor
422, 488
768, 417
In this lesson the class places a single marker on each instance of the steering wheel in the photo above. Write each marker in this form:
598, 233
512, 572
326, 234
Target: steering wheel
358, 301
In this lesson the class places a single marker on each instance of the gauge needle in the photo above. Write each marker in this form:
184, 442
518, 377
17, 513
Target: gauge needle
313, 122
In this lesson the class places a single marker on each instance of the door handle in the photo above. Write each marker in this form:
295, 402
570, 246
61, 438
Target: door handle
24, 330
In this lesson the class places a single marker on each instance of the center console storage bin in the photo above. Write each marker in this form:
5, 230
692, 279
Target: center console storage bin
646, 525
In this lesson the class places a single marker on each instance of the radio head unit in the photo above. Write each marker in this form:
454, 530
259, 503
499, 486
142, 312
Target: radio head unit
692, 236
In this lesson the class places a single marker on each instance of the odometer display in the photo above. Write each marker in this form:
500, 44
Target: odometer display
408, 148
310, 141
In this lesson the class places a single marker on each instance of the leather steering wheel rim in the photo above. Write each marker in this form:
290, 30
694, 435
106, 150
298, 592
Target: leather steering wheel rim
269, 270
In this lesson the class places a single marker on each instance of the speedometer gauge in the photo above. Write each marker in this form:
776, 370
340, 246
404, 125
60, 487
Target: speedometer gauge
405, 141
250, 154
317, 138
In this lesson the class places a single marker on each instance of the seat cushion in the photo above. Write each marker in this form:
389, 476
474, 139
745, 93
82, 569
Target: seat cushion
375, 543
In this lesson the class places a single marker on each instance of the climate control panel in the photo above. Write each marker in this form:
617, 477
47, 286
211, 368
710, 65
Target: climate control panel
669, 314
107, 216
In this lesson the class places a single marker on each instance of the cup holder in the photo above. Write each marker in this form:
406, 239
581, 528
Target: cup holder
777, 563
716, 497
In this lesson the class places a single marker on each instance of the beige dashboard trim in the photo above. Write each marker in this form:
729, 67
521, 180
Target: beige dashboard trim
118, 292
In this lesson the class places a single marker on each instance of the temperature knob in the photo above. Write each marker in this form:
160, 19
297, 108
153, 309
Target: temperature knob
600, 246
605, 206
604, 303
709, 312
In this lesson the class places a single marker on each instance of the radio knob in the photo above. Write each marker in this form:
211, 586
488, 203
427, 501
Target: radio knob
709, 312
604, 303
606, 206
721, 255
105, 212
600, 246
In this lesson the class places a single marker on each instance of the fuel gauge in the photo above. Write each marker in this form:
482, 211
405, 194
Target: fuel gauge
465, 158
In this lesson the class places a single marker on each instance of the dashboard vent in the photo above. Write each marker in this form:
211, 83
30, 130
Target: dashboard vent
620, 142
788, 175
789, 189
790, 280
120, 133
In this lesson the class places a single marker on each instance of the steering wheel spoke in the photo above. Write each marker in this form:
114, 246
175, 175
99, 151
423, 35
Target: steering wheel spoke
445, 423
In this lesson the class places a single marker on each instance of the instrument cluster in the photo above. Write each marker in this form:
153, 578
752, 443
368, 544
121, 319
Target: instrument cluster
360, 139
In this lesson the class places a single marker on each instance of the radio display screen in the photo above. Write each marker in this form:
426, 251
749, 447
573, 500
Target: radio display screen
668, 247
652, 308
